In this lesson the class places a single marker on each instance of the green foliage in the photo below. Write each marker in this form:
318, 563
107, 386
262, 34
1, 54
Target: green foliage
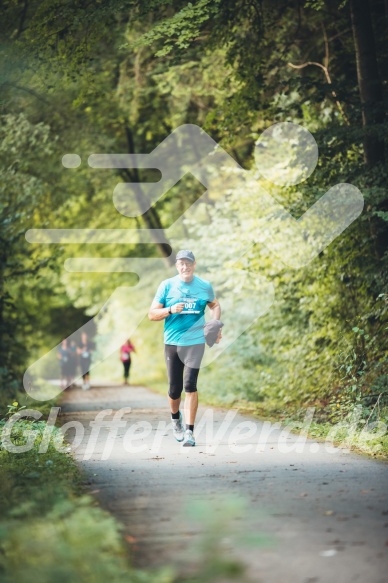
181, 28
24, 147
74, 541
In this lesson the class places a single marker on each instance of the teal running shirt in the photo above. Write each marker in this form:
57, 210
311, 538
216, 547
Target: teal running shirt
186, 328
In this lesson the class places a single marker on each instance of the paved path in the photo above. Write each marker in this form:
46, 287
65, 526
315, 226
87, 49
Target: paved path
324, 515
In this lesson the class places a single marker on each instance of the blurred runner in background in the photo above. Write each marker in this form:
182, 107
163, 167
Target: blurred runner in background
64, 356
85, 352
125, 357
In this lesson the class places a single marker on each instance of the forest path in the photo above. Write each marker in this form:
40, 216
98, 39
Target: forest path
323, 514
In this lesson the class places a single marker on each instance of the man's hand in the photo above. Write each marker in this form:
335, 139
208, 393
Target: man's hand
177, 308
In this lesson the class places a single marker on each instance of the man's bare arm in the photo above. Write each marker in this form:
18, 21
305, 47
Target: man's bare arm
159, 312
215, 309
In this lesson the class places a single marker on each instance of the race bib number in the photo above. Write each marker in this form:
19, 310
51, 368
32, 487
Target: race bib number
85, 355
125, 355
190, 306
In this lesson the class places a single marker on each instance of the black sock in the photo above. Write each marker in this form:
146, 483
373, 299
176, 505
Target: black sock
190, 427
175, 415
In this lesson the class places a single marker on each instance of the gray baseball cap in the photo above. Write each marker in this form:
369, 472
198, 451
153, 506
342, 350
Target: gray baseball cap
211, 330
185, 254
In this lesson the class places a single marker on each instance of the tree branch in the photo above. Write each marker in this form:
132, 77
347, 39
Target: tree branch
27, 90
329, 82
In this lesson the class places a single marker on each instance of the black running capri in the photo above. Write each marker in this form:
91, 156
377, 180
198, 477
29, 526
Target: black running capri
183, 363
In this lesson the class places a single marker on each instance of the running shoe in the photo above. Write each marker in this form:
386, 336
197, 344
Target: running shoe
177, 428
189, 439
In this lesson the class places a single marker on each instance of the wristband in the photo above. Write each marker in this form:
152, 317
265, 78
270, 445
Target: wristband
169, 310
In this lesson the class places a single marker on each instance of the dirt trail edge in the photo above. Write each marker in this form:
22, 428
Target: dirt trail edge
323, 513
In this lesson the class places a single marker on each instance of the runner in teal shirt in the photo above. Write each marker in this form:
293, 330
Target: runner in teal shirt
186, 327
181, 302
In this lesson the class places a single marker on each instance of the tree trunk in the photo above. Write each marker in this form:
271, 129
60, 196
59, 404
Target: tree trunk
149, 216
371, 92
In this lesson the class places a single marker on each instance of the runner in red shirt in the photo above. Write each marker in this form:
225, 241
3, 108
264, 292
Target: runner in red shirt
125, 357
